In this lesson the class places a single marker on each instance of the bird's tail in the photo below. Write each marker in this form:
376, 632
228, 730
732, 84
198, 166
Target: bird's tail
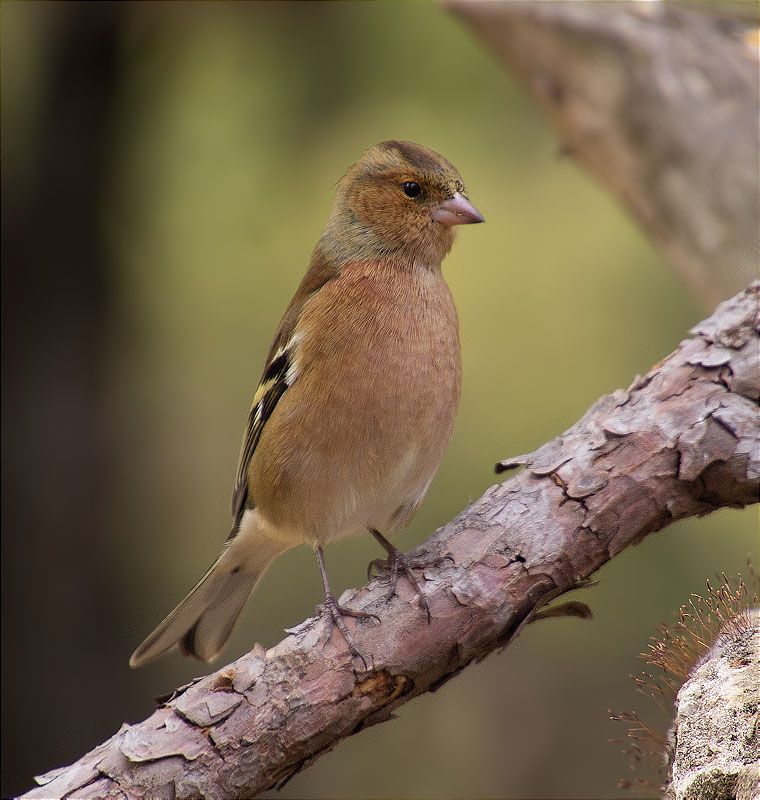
201, 624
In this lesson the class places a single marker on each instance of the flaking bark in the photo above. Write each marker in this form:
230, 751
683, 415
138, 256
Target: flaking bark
681, 441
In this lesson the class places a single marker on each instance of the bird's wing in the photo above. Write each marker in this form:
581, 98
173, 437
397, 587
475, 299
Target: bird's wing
280, 372
278, 375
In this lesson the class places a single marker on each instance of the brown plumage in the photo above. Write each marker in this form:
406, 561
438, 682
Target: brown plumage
356, 405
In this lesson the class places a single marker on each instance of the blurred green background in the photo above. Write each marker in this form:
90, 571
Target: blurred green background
167, 169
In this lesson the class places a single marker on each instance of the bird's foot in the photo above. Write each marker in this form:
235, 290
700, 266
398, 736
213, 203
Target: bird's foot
397, 564
334, 614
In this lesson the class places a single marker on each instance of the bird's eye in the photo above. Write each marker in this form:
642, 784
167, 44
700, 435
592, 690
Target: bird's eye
411, 189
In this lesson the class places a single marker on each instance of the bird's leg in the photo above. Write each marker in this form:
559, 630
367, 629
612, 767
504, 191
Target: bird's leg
396, 563
335, 612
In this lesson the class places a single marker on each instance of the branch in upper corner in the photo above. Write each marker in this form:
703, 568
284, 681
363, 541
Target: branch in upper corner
660, 103
681, 441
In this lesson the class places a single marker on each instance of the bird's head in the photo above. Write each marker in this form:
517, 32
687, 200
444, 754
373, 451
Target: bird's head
399, 199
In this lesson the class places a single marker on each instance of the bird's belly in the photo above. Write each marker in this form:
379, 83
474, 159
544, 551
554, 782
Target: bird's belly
324, 490
328, 492
383, 501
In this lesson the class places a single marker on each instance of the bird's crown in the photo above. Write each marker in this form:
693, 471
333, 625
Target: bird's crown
394, 157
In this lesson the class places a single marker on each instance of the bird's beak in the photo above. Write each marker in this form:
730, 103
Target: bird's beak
457, 210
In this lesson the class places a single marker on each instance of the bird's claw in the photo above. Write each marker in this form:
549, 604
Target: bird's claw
396, 564
334, 614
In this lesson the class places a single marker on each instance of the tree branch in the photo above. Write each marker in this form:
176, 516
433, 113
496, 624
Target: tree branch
660, 103
679, 442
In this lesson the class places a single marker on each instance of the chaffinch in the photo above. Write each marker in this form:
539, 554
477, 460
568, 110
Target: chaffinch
357, 401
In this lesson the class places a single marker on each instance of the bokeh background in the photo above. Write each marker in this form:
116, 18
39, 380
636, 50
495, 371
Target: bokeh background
166, 170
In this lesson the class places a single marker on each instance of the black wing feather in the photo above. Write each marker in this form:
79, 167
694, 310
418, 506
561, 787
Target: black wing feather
276, 379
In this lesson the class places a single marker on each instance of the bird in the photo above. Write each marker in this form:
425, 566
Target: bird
357, 400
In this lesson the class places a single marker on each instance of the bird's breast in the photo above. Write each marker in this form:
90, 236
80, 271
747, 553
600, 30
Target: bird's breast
389, 353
